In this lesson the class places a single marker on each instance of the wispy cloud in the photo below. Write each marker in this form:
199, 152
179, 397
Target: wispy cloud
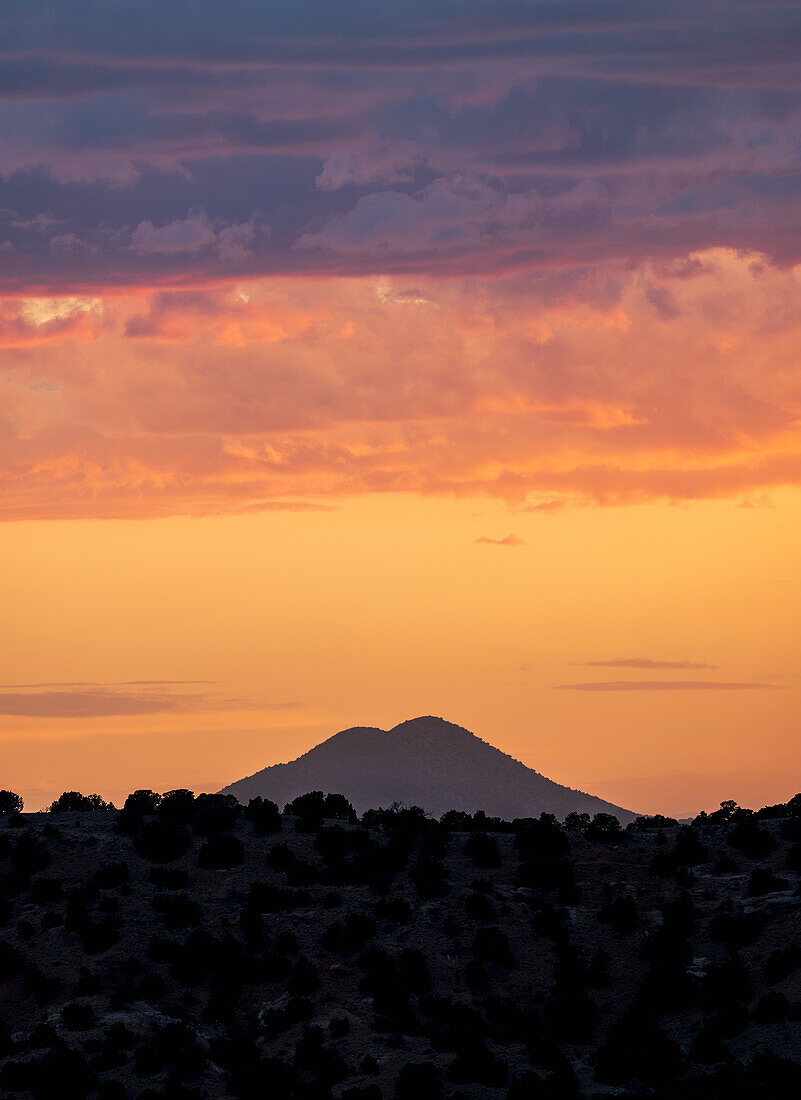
667, 685
88, 704
509, 540
104, 683
643, 662
87, 700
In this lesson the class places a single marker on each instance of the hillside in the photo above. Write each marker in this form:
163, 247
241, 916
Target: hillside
424, 762
187, 950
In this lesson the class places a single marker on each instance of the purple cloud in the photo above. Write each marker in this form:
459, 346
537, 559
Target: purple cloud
450, 136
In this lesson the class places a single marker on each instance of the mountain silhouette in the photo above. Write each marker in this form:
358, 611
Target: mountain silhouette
425, 762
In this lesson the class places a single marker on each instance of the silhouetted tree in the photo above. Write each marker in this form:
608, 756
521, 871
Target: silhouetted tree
620, 914
483, 850
264, 814
605, 829
177, 807
75, 802
419, 1081
141, 802
220, 852
162, 843
747, 837
652, 823
216, 813
10, 803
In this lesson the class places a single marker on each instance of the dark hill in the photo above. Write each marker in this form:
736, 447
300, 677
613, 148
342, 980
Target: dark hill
425, 762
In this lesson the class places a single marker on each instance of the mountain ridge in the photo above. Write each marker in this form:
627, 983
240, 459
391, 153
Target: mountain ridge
425, 761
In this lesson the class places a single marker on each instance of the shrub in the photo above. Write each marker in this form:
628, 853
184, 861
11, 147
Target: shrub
339, 808
11, 962
179, 910
221, 852
419, 1081
264, 814
141, 802
605, 829
29, 854
541, 838
100, 935
111, 875
476, 1064
280, 856
749, 839
216, 813
483, 850
10, 803
75, 802
734, 931
771, 1007
428, 876
763, 881
782, 963
638, 1048
620, 914
312, 808
305, 978
265, 898
286, 943
170, 878
77, 1016
652, 822
162, 843
46, 890
177, 807
396, 910
492, 945
480, 908
311, 1054
726, 984
476, 976
349, 935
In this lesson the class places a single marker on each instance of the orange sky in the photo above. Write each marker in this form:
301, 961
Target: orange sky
470, 562
433, 358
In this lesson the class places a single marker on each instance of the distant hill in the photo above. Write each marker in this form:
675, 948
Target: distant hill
426, 762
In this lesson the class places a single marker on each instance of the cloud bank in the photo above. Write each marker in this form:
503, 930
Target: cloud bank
547, 253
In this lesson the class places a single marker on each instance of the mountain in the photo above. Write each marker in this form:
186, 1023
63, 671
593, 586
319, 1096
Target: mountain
425, 762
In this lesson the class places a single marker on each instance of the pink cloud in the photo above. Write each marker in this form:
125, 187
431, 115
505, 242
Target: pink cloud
293, 393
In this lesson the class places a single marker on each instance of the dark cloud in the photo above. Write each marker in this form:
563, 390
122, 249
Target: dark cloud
450, 137
665, 685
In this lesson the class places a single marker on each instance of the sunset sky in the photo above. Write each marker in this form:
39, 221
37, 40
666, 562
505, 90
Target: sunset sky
366, 361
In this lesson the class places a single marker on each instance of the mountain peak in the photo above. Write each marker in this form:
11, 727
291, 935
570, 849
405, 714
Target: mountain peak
431, 726
424, 761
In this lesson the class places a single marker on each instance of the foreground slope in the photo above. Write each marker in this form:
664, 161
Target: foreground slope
150, 959
425, 762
